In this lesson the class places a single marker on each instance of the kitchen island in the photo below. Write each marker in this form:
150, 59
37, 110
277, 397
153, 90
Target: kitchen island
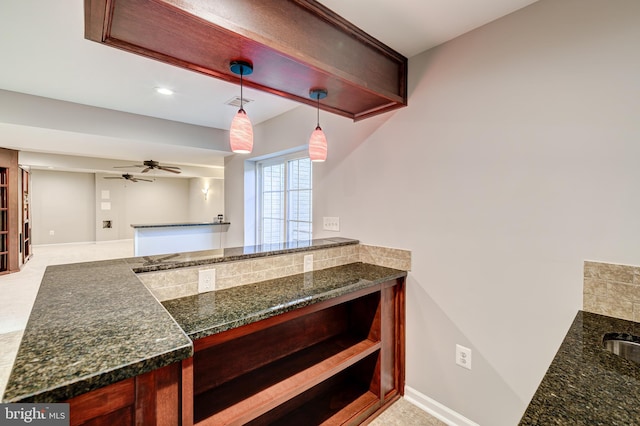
97, 332
586, 384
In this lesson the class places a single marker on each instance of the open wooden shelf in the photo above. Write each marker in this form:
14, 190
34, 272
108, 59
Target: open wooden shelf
5, 264
11, 193
253, 394
344, 398
337, 362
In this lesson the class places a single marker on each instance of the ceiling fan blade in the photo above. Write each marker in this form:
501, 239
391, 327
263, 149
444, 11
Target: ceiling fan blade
145, 180
169, 169
113, 177
128, 167
146, 170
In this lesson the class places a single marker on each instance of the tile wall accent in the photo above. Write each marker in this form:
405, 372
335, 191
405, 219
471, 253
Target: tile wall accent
172, 284
384, 256
612, 290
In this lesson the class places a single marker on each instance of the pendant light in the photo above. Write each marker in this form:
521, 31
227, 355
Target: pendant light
318, 141
241, 131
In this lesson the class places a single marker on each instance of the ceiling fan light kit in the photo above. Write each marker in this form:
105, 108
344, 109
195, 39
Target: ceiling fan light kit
151, 165
127, 176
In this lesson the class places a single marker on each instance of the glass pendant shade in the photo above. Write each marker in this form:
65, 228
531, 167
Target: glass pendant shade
241, 130
318, 141
241, 133
318, 145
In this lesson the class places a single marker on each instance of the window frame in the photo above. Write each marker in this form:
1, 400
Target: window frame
280, 159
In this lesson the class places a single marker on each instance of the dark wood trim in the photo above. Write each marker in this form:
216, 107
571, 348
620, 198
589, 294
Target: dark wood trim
400, 325
187, 392
95, 19
295, 45
102, 402
153, 398
206, 342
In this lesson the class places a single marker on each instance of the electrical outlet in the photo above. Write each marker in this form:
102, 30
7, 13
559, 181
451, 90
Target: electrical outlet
331, 223
206, 280
463, 357
52, 233
308, 262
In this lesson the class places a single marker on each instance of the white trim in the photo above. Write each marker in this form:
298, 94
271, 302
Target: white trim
435, 409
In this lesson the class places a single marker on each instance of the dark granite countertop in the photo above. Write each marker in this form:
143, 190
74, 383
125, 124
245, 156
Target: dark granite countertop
210, 313
175, 225
586, 384
95, 323
162, 262
92, 324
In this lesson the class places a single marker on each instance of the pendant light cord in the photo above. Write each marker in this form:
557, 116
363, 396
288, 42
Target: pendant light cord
318, 98
241, 95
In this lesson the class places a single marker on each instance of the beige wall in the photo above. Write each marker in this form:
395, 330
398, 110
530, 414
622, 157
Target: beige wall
70, 204
63, 203
516, 160
201, 210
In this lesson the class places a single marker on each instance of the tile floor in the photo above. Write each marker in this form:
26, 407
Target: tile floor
404, 413
19, 292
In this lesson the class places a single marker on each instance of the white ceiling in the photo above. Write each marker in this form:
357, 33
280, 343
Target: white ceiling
43, 52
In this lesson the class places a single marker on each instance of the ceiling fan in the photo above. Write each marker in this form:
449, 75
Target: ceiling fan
127, 176
150, 165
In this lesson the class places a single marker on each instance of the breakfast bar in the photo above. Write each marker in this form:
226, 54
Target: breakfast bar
166, 238
330, 341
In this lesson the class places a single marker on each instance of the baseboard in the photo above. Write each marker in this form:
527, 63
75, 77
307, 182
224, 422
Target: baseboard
435, 409
84, 243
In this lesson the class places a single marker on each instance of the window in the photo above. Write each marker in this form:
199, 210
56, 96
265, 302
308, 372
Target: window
284, 200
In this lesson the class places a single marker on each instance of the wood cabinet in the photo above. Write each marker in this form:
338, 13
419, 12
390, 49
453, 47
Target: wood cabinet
4, 219
148, 399
26, 215
15, 212
9, 214
335, 362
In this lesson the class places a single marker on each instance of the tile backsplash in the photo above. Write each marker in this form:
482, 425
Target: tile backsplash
171, 284
612, 290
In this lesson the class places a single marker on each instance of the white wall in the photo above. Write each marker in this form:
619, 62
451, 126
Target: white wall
516, 160
201, 210
162, 201
70, 204
100, 132
63, 203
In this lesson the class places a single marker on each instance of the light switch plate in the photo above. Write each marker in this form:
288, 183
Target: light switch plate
331, 223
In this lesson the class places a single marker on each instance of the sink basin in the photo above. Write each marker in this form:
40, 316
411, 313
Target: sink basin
625, 345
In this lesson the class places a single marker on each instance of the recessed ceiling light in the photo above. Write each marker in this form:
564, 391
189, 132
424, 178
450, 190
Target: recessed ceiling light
164, 91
